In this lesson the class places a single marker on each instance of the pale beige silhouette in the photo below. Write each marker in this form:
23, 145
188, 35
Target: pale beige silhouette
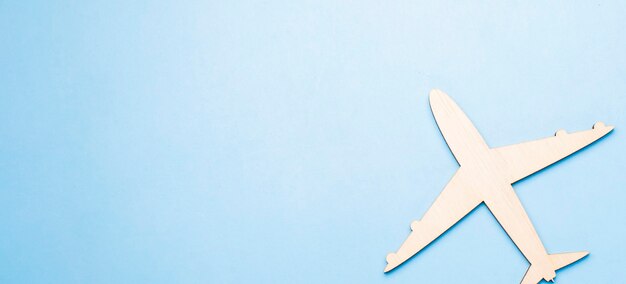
485, 175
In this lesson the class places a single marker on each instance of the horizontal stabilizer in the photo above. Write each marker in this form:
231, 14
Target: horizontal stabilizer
561, 260
536, 272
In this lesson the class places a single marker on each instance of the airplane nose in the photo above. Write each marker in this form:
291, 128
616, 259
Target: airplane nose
436, 93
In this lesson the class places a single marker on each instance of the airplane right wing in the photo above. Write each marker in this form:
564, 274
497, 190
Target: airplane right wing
527, 158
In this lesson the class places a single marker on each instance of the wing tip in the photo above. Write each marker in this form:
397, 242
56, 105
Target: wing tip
601, 126
392, 262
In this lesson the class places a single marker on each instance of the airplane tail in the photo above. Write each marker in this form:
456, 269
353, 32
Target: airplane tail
535, 272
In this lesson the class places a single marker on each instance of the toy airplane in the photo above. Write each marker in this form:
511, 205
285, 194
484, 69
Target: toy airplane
485, 175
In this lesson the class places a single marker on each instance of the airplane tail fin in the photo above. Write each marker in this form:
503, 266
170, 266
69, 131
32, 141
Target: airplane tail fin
535, 272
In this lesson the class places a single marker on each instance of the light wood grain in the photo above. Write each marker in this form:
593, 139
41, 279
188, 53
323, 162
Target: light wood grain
485, 175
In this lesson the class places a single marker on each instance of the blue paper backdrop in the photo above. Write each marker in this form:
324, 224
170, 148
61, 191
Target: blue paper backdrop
292, 141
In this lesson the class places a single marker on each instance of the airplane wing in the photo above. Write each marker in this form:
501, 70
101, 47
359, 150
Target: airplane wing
527, 158
458, 198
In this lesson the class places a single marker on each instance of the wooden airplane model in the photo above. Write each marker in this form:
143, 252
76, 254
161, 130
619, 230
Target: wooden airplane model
485, 175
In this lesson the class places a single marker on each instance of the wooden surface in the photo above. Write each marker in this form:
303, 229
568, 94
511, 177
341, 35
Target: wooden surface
485, 175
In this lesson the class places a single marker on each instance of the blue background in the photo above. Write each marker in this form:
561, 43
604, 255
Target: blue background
292, 142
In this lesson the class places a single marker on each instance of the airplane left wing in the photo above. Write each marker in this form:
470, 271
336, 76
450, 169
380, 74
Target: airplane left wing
527, 158
458, 198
